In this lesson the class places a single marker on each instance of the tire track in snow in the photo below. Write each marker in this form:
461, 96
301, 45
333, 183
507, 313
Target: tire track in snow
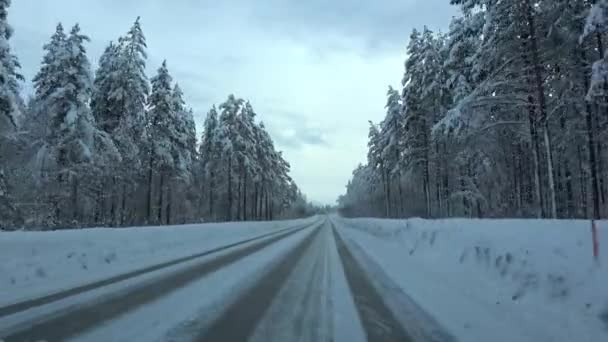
403, 312
378, 321
240, 320
302, 309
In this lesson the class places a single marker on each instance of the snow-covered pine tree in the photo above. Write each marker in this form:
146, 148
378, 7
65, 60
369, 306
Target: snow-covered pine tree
417, 120
163, 137
185, 159
9, 74
391, 134
246, 156
119, 102
74, 147
209, 163
227, 139
10, 109
596, 26
107, 112
186, 130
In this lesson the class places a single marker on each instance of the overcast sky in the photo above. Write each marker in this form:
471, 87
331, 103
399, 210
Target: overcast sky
315, 70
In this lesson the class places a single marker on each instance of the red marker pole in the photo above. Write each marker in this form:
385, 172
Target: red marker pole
596, 242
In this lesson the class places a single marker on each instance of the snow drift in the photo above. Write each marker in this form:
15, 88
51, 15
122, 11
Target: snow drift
499, 280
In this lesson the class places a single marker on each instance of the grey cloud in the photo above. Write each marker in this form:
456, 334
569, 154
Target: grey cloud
301, 137
293, 130
378, 25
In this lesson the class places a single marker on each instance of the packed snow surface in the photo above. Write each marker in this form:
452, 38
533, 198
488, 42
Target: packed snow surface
496, 280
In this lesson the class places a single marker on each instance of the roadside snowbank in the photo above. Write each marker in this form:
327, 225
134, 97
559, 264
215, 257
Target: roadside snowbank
37, 263
498, 280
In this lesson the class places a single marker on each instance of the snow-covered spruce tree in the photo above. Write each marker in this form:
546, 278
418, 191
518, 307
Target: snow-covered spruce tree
271, 171
363, 196
209, 162
227, 138
118, 103
417, 116
166, 159
10, 108
595, 29
74, 147
9, 74
391, 132
185, 161
241, 174
246, 157
261, 163
376, 167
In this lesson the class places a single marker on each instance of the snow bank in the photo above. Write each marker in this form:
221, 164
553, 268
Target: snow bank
37, 263
498, 280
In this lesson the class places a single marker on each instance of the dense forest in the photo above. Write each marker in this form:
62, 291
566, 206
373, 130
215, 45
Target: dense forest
505, 115
114, 148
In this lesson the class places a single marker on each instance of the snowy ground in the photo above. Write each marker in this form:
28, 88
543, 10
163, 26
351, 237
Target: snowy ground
334, 280
37, 263
495, 280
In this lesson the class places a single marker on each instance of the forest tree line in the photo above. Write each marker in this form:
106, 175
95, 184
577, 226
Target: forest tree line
115, 148
505, 115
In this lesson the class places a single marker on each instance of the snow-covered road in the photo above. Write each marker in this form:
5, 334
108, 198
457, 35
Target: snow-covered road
320, 279
299, 283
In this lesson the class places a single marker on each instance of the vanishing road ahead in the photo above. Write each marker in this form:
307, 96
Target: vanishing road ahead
302, 283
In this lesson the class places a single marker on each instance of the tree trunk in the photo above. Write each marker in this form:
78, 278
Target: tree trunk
259, 200
401, 208
552, 194
261, 208
169, 201
427, 171
593, 166
516, 182
582, 181
229, 209
123, 205
569, 191
266, 207
389, 209
160, 198
446, 182
113, 202
211, 195
600, 170
201, 200
98, 204
385, 190
465, 202
540, 94
591, 137
438, 180
150, 183
254, 204
75, 210
537, 202
239, 194
599, 156
245, 197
